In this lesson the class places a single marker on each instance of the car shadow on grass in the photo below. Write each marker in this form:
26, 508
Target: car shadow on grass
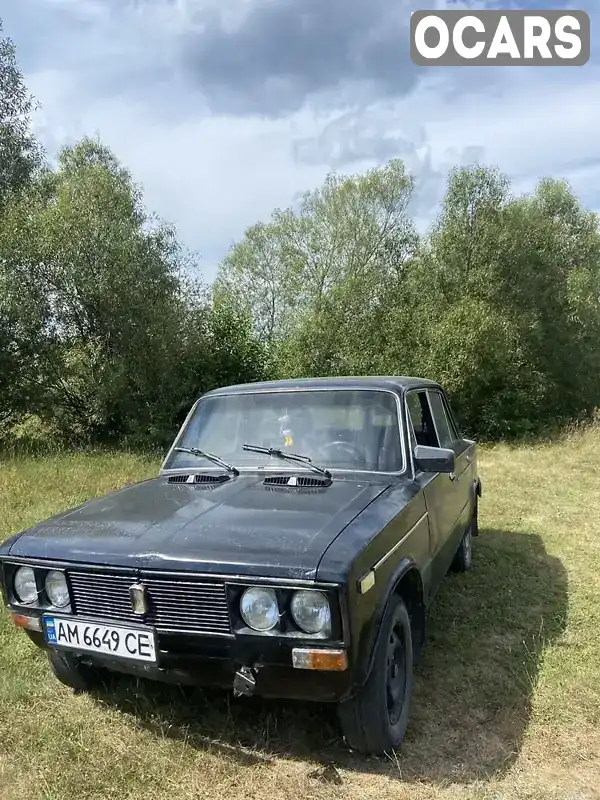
487, 631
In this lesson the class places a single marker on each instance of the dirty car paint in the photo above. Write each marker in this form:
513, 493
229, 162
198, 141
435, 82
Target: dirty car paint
237, 525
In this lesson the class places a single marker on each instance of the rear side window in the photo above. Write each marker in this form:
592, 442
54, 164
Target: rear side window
445, 429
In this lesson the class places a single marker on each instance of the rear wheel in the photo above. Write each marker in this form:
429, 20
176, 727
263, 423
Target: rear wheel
375, 719
475, 520
73, 673
463, 560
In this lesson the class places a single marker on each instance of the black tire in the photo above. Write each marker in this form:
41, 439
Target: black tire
73, 673
463, 560
374, 721
475, 520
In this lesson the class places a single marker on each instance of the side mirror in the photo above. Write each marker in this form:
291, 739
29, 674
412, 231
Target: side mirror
434, 459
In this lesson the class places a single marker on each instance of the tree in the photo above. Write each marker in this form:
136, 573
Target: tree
258, 276
506, 323
124, 343
20, 323
20, 153
314, 279
556, 247
101, 335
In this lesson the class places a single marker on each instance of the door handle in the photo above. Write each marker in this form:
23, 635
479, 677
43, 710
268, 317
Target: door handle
452, 476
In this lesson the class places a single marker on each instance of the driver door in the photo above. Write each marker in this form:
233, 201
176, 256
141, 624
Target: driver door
443, 492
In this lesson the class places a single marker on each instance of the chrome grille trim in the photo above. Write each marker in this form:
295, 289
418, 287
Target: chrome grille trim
176, 605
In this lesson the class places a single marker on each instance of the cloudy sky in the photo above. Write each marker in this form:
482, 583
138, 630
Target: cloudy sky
226, 109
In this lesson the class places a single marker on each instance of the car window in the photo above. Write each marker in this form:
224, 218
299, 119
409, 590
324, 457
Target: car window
451, 419
420, 416
338, 428
445, 430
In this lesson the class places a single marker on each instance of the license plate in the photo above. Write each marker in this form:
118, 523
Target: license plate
133, 643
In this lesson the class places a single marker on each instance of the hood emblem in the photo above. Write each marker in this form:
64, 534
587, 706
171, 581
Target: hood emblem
139, 599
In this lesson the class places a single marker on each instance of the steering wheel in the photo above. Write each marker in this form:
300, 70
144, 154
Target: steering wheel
348, 447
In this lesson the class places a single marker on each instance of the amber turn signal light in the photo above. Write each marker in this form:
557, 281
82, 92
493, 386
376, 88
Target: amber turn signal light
23, 621
326, 660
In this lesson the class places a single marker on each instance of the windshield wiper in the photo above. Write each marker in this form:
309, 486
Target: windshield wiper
215, 459
273, 451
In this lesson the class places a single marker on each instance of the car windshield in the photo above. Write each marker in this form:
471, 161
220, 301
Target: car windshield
337, 429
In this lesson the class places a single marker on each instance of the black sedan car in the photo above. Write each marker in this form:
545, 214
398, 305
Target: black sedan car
289, 547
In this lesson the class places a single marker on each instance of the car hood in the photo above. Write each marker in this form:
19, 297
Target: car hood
238, 526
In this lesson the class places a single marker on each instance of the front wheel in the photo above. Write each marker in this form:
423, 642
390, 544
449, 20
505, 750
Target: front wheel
374, 721
70, 671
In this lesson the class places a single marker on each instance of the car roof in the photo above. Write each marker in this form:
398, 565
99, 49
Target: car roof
386, 383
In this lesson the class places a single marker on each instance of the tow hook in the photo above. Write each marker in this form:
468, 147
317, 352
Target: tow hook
244, 682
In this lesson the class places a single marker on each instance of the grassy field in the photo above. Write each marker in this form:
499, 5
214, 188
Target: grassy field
507, 700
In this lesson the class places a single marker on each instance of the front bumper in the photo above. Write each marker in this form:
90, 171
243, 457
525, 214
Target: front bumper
198, 657
214, 662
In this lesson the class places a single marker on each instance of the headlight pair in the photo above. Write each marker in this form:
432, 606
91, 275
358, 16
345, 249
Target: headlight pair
309, 608
26, 588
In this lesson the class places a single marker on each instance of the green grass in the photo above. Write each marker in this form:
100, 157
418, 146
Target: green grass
507, 699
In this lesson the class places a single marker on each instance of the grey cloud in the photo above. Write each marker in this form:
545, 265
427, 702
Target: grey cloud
285, 51
240, 57
110, 49
364, 134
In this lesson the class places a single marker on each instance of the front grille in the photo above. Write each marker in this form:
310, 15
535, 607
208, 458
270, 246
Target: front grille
174, 605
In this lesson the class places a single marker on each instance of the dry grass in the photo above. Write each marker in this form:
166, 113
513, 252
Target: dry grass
507, 701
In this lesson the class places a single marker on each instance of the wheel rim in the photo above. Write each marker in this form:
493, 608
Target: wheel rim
396, 673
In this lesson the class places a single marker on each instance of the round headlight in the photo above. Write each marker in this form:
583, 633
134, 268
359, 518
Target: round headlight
25, 586
57, 589
311, 611
259, 608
